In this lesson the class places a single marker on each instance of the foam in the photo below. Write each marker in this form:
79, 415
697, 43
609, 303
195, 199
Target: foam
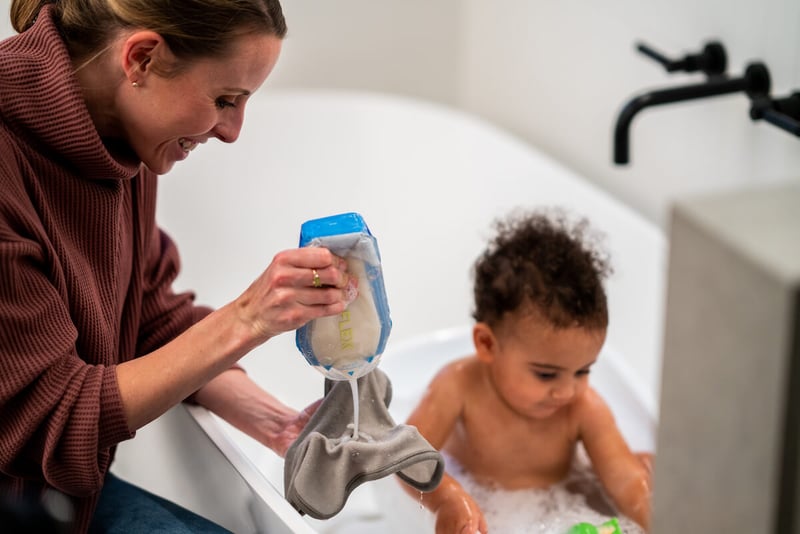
578, 498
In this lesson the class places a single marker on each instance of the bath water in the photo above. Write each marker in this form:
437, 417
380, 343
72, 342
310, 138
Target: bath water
578, 498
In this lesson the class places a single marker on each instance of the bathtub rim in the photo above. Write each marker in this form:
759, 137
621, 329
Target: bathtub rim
247, 469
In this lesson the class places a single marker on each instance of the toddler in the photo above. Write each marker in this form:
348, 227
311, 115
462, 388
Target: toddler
513, 414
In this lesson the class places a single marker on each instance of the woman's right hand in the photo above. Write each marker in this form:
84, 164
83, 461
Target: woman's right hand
460, 514
285, 297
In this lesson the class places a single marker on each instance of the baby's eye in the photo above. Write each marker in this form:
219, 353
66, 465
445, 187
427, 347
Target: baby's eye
583, 372
222, 103
544, 376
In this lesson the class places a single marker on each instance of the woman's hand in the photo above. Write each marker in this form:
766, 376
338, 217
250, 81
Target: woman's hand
292, 428
460, 514
298, 286
236, 398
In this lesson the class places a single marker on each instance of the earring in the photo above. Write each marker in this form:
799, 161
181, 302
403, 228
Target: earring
135, 85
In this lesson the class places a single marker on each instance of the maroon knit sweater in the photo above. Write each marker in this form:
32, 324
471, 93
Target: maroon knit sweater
85, 277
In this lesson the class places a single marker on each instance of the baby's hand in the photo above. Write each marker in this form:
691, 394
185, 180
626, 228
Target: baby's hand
460, 514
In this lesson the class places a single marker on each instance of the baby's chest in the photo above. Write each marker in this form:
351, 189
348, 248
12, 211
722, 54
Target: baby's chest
509, 442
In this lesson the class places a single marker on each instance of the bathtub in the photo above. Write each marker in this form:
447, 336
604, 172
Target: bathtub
428, 180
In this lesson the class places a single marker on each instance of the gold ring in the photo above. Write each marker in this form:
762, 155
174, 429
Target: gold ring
316, 282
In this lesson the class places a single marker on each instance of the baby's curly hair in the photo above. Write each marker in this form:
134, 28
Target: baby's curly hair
540, 259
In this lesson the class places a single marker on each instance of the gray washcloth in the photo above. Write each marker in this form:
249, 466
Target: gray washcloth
322, 469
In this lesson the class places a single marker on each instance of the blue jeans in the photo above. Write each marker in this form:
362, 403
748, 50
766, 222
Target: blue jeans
127, 509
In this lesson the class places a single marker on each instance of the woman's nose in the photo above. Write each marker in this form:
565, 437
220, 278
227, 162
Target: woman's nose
227, 130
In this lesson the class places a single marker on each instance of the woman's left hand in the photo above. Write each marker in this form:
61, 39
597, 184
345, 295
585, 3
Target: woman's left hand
293, 427
244, 404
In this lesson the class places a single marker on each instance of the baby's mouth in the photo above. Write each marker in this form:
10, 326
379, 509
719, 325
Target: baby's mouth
187, 144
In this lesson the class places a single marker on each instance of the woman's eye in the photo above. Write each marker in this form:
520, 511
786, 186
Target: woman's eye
222, 103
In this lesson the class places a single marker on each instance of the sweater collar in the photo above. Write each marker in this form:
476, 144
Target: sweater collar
40, 99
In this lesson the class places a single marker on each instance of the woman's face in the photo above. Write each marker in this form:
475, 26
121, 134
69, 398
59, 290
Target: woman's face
166, 117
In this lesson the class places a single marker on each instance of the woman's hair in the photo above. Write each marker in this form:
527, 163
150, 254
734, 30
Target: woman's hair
539, 262
191, 28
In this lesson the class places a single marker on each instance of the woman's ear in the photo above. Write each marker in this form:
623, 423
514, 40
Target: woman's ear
485, 342
139, 50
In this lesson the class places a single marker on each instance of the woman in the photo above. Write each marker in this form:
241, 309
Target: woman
98, 97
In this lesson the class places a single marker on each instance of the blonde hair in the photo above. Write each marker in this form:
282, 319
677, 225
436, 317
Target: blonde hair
191, 28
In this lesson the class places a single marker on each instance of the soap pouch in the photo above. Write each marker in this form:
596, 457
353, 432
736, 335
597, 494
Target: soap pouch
348, 345
325, 464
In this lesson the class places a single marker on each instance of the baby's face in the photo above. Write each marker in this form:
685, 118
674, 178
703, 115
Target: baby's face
539, 369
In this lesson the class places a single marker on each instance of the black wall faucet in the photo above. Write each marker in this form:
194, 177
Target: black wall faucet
782, 112
712, 61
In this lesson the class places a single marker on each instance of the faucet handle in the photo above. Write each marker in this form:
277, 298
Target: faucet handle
782, 112
712, 61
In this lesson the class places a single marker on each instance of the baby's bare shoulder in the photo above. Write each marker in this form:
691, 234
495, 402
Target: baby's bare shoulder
443, 402
591, 408
459, 370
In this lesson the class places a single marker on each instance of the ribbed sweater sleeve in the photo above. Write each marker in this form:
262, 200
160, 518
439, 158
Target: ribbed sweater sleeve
164, 313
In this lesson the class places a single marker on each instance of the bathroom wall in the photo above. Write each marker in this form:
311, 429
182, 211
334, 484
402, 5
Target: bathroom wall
5, 23
410, 47
557, 72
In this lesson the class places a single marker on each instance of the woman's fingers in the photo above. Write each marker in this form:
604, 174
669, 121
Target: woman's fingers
328, 295
312, 267
322, 277
298, 286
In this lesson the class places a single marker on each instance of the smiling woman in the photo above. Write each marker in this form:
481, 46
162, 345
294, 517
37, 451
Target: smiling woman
99, 97
212, 93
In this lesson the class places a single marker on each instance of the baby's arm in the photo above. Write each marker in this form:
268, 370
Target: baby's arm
624, 475
435, 417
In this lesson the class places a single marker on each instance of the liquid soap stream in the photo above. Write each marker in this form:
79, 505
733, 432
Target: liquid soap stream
354, 389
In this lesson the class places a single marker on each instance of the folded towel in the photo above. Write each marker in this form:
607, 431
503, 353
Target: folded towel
325, 464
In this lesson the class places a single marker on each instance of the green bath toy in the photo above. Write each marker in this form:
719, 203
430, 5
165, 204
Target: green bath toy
609, 527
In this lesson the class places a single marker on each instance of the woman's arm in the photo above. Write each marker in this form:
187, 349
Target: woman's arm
280, 300
236, 398
623, 474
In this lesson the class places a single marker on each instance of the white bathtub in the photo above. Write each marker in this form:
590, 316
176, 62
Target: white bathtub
428, 181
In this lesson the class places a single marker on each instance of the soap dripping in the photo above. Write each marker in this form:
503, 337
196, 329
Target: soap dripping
351, 431
354, 389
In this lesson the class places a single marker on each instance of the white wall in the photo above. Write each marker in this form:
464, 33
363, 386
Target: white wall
556, 73
5, 22
408, 47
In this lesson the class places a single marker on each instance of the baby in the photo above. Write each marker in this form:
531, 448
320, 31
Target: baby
513, 413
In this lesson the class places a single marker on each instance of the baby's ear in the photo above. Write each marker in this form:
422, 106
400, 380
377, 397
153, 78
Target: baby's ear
485, 342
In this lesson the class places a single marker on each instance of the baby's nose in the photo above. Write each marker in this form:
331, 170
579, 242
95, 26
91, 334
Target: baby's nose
564, 391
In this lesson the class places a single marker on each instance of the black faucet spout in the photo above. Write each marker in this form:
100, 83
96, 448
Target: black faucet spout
755, 81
